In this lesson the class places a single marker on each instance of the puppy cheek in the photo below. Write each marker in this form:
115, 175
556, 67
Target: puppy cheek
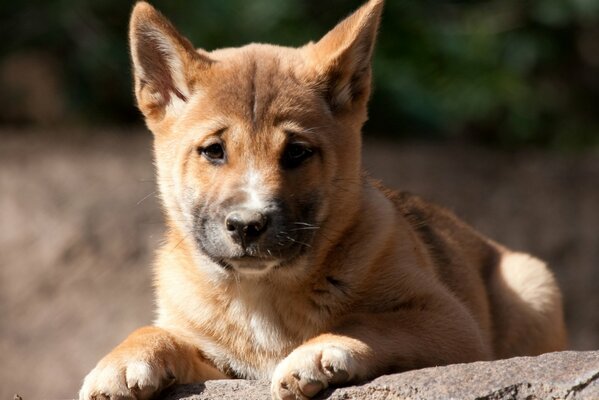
312, 209
205, 228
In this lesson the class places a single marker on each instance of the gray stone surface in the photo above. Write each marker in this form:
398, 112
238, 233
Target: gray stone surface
567, 375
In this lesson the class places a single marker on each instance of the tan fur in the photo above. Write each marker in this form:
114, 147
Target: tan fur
384, 282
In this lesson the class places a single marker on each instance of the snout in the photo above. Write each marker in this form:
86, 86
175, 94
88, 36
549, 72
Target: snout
254, 237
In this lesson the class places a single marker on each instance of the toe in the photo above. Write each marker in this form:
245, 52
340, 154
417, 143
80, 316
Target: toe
310, 387
336, 375
285, 393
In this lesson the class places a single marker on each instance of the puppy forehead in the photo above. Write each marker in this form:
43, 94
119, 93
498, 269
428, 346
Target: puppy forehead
260, 84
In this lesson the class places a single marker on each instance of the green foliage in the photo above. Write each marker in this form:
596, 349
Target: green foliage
508, 72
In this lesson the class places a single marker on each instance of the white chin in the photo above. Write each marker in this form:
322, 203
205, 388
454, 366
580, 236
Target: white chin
253, 267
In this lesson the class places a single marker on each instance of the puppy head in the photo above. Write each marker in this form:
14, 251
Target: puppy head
257, 148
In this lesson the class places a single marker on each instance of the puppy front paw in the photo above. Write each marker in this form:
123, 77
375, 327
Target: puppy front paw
311, 368
118, 377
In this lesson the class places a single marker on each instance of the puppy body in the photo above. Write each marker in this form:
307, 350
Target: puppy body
472, 302
282, 259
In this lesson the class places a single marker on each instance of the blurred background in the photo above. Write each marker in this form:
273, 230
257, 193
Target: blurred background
488, 107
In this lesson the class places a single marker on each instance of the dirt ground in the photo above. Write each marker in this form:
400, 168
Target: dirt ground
79, 220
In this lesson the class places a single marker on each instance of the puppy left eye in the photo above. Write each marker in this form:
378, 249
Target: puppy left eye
295, 154
214, 153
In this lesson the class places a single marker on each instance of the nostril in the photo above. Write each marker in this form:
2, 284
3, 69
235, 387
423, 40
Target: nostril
235, 223
230, 226
254, 229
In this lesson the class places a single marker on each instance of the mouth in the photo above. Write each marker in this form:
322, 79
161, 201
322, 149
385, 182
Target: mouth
250, 265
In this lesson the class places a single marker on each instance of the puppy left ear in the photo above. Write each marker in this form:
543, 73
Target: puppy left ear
342, 58
164, 62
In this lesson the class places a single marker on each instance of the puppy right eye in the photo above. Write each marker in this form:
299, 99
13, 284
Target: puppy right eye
214, 153
295, 154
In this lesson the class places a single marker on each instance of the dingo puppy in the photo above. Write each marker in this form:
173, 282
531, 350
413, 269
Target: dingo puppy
282, 260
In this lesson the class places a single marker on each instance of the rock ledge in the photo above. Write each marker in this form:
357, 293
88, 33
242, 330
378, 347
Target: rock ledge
566, 375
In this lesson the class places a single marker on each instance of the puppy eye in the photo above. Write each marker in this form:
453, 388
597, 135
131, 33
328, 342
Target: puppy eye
214, 153
295, 154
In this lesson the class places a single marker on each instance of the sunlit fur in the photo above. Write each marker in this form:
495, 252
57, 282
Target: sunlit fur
365, 281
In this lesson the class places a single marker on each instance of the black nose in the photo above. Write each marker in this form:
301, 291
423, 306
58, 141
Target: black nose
246, 226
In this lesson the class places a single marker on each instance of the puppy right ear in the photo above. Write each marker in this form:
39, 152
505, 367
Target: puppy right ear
341, 59
164, 62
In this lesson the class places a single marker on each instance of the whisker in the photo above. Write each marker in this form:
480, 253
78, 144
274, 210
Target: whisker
306, 228
145, 198
315, 128
180, 241
298, 242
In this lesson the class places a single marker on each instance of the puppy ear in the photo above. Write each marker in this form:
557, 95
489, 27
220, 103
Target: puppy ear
164, 62
342, 58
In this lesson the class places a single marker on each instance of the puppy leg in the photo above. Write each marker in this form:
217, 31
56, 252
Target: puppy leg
149, 360
323, 361
367, 345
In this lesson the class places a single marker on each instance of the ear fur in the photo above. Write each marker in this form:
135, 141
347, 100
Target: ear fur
163, 62
342, 58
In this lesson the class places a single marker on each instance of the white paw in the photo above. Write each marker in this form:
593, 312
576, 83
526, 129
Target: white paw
311, 368
115, 379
